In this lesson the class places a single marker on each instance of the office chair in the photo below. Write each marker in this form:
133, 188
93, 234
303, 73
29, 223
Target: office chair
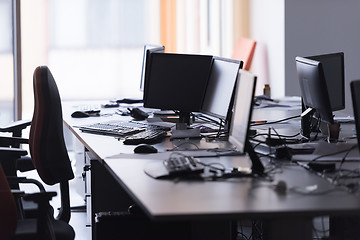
46, 141
14, 227
48, 151
244, 51
8, 158
16, 127
23, 163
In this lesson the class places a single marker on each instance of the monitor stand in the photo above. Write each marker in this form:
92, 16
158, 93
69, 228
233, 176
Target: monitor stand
306, 118
182, 128
331, 130
257, 167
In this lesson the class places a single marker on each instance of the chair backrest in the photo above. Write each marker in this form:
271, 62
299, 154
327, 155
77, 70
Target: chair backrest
46, 141
244, 50
8, 212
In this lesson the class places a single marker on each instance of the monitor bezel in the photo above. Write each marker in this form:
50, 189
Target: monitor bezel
355, 96
241, 146
330, 55
318, 90
231, 100
178, 109
148, 49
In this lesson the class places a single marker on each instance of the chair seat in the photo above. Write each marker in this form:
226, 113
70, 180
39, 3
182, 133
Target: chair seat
63, 231
26, 229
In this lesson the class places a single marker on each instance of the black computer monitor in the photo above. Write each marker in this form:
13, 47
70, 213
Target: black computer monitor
177, 82
220, 88
355, 95
148, 49
313, 87
333, 67
240, 122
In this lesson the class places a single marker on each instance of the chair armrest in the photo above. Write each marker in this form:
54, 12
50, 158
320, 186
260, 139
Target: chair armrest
17, 193
39, 197
13, 153
16, 127
12, 141
8, 159
15, 179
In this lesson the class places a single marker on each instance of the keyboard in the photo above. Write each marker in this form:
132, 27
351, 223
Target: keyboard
120, 129
183, 165
148, 136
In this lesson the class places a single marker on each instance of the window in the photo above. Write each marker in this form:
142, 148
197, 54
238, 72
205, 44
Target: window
6, 64
94, 48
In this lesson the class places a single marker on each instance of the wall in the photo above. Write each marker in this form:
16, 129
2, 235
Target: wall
267, 28
286, 29
322, 26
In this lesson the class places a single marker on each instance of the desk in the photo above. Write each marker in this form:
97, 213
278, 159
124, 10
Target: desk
118, 180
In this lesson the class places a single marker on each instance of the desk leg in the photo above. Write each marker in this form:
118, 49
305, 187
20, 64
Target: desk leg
284, 229
106, 193
345, 228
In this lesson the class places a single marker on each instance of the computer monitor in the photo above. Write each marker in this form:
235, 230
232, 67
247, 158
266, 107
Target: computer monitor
242, 110
313, 87
177, 82
241, 118
355, 95
148, 49
333, 67
220, 88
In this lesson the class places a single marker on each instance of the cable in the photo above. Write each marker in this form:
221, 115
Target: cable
347, 153
317, 128
183, 143
208, 119
284, 136
351, 187
211, 166
334, 153
277, 121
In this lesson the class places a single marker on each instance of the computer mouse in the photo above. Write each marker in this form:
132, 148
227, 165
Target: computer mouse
79, 114
138, 114
145, 148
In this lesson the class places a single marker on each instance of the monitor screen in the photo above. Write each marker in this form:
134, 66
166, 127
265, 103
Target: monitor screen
176, 81
220, 87
333, 67
148, 49
243, 104
314, 88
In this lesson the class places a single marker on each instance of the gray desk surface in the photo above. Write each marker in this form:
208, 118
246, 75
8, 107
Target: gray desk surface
237, 198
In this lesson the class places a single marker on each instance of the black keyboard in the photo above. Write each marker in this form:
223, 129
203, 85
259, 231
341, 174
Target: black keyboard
120, 129
148, 136
183, 165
